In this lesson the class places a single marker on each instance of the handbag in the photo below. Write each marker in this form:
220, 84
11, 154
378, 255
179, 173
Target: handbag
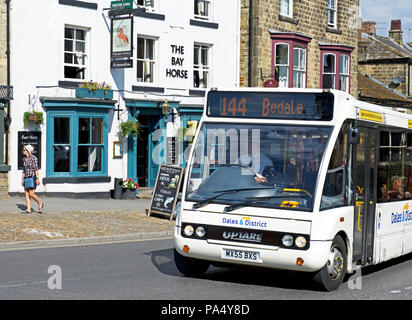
29, 183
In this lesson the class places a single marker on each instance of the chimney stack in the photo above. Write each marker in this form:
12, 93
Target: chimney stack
369, 27
396, 32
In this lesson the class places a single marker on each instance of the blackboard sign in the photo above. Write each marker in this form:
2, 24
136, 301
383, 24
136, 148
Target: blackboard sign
28, 137
166, 190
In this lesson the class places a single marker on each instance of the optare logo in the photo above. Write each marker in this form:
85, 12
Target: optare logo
243, 236
404, 217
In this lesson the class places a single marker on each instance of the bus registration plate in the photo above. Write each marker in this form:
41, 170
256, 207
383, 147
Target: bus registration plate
241, 255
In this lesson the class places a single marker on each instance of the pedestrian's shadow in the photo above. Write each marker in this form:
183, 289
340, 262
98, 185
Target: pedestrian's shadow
21, 207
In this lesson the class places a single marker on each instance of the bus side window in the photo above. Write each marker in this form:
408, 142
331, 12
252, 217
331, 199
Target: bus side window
334, 189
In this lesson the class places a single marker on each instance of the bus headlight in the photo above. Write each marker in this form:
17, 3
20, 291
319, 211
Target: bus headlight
200, 231
188, 230
287, 240
300, 242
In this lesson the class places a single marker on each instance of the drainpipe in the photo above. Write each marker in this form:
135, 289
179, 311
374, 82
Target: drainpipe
249, 76
8, 76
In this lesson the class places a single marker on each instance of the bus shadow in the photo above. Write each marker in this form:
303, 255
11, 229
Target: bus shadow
163, 261
367, 270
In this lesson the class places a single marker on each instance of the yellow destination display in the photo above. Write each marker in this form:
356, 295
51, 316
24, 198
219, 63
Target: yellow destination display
371, 116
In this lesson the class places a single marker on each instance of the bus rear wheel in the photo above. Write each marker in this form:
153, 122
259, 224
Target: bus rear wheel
190, 266
331, 275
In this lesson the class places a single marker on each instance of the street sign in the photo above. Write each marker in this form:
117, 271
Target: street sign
122, 4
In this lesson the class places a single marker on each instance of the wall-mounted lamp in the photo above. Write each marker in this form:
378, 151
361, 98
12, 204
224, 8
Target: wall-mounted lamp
165, 107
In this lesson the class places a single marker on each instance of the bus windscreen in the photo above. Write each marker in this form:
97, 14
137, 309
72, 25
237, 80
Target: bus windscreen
271, 105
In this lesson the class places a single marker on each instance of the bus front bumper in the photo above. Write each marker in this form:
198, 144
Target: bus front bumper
308, 260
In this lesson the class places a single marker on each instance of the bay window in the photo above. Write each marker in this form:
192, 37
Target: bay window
78, 143
289, 52
335, 67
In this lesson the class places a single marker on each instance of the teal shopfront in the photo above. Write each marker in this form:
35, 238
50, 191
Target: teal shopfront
77, 147
153, 147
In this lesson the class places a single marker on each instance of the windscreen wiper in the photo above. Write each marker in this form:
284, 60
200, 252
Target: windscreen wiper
254, 200
221, 193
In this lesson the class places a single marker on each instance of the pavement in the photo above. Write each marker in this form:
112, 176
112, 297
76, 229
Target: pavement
66, 221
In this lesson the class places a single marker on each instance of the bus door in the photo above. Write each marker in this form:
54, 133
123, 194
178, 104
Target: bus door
365, 199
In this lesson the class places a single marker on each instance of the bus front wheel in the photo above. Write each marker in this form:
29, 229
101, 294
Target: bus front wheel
331, 275
190, 266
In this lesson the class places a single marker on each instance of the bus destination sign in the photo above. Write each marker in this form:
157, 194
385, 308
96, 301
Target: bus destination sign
271, 105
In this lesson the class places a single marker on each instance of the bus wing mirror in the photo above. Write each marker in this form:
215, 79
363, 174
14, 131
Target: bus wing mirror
354, 135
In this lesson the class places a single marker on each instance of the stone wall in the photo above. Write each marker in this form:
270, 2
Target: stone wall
309, 19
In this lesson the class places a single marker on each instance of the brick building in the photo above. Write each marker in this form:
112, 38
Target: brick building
5, 96
387, 60
299, 43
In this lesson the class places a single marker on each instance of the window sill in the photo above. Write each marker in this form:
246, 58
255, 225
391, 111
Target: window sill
333, 30
288, 19
197, 92
79, 180
205, 24
148, 89
80, 4
149, 15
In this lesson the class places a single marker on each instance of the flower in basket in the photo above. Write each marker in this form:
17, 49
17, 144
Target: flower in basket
130, 184
93, 86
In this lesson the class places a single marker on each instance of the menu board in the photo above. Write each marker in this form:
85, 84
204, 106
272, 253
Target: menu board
28, 137
166, 190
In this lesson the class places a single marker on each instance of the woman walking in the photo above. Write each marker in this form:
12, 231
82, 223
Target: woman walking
31, 171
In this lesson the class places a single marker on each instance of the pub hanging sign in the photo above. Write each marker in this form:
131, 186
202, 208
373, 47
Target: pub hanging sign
122, 42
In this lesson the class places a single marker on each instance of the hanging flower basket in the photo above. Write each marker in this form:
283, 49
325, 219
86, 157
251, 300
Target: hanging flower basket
33, 118
94, 90
130, 128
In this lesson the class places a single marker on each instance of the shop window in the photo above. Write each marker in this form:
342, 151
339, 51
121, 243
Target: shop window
286, 8
78, 141
145, 64
332, 13
335, 67
75, 53
201, 66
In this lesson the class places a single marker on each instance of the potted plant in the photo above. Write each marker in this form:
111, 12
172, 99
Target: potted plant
130, 128
92, 89
130, 188
33, 117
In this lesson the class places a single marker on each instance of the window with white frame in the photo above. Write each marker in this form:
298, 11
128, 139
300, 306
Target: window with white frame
286, 8
344, 73
75, 53
145, 62
299, 67
202, 9
148, 4
329, 67
332, 13
281, 73
201, 66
